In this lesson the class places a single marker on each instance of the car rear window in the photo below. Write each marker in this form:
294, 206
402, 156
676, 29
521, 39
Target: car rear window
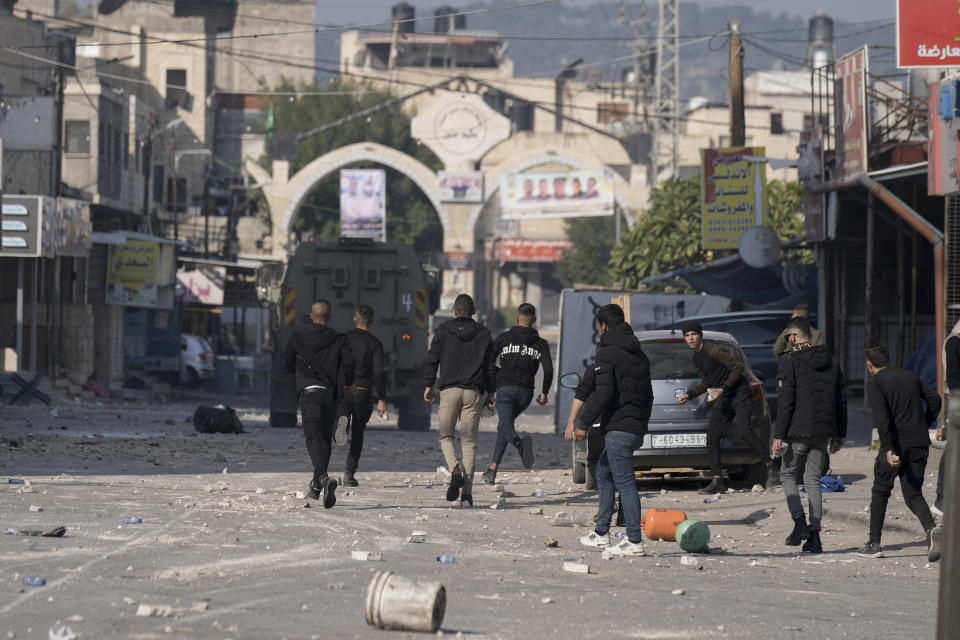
763, 331
673, 360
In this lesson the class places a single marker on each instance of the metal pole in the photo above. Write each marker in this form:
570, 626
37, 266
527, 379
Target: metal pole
737, 118
176, 203
868, 285
948, 615
35, 268
19, 315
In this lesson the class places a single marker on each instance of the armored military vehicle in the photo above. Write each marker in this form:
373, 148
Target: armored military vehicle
388, 277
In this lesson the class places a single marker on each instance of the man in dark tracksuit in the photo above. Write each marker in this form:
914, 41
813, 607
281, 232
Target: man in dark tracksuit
357, 404
622, 401
517, 354
897, 399
323, 362
811, 419
731, 404
461, 349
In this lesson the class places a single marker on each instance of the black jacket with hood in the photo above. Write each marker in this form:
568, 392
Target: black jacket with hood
812, 399
623, 396
320, 356
517, 354
462, 349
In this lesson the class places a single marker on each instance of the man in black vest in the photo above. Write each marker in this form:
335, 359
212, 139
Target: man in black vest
811, 419
357, 404
517, 354
323, 362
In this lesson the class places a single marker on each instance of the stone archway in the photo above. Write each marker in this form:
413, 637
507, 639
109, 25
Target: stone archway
285, 193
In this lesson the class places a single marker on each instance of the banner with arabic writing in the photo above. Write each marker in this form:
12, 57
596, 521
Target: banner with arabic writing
927, 32
133, 274
850, 112
733, 197
203, 284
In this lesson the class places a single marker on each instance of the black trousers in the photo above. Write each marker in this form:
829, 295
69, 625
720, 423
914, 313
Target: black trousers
595, 447
913, 464
358, 406
319, 416
731, 416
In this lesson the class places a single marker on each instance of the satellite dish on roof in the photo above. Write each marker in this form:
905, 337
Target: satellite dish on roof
760, 247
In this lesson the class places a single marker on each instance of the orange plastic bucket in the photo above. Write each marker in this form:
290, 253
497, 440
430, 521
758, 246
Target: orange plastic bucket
661, 524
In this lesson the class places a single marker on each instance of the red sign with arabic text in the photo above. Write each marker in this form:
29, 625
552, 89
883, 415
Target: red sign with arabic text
850, 103
928, 33
522, 250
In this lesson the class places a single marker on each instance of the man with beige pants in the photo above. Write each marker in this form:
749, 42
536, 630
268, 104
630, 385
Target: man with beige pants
462, 350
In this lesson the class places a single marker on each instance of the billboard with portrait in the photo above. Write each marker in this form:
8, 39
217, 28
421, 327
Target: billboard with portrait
460, 186
556, 194
363, 204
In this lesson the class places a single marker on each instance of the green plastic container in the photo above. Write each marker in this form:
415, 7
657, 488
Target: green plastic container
693, 536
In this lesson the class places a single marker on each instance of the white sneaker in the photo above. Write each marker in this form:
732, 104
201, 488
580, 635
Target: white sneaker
595, 541
936, 510
624, 549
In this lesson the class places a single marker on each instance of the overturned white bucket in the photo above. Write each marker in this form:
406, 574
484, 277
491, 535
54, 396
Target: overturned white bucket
401, 603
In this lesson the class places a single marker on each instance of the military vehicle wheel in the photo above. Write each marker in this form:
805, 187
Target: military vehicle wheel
412, 419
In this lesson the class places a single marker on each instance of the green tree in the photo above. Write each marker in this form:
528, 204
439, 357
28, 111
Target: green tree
588, 261
668, 236
410, 215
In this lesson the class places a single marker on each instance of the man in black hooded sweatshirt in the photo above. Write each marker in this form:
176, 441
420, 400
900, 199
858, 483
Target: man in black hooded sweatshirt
517, 354
462, 350
622, 400
811, 419
324, 364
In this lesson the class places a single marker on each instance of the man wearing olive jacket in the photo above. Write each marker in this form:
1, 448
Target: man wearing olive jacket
622, 400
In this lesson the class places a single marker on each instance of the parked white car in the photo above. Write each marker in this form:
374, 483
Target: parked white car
196, 360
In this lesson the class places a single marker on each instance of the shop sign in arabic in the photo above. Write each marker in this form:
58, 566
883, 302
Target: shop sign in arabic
204, 284
133, 275
732, 195
928, 33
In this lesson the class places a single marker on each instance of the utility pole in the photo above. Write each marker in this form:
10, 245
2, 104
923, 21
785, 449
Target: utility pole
176, 203
738, 129
665, 150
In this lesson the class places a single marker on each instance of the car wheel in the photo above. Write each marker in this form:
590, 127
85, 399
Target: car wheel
579, 468
192, 379
756, 473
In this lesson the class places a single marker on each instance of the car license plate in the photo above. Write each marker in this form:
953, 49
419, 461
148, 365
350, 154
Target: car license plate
677, 440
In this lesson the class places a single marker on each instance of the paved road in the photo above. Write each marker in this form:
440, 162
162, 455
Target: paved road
232, 560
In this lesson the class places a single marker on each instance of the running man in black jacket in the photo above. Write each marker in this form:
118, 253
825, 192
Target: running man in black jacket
811, 419
730, 399
517, 354
462, 350
357, 404
323, 362
622, 400
903, 409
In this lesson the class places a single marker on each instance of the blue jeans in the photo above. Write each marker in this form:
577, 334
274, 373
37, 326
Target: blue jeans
615, 472
511, 402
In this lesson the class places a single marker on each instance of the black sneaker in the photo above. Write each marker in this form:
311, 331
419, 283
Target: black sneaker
715, 486
349, 480
456, 481
526, 451
934, 539
799, 533
870, 550
329, 492
813, 545
490, 476
315, 487
466, 500
340, 436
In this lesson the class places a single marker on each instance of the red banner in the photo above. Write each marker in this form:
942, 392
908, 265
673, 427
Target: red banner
928, 33
520, 250
850, 101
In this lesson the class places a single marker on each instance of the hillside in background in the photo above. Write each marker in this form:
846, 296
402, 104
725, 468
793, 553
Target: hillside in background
541, 39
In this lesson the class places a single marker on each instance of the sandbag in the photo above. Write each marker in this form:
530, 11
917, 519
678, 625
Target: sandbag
219, 419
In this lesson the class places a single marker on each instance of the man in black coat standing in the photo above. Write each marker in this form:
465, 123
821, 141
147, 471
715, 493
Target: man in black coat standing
323, 362
903, 408
811, 418
369, 379
622, 400
517, 355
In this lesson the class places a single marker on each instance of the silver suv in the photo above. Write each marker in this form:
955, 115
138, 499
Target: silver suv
676, 437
